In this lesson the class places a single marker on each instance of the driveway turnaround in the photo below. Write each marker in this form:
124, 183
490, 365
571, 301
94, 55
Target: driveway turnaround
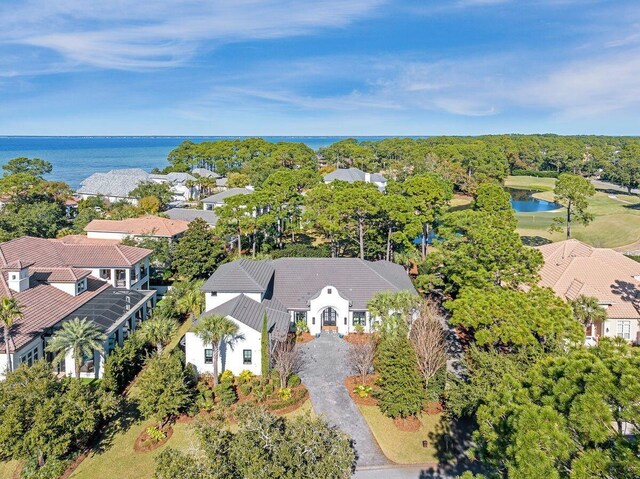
324, 369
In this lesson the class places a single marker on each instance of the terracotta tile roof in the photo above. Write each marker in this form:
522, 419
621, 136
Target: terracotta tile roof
573, 268
58, 275
146, 225
83, 239
43, 306
46, 253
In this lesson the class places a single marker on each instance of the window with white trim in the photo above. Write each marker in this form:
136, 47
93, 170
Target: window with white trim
246, 356
624, 329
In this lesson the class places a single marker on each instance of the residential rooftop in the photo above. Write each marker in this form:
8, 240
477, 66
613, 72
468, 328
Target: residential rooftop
190, 214
219, 198
295, 281
573, 268
352, 175
146, 225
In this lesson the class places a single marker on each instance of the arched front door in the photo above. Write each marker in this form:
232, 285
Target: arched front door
329, 317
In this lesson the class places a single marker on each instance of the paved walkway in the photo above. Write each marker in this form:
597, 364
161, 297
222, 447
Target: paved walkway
323, 372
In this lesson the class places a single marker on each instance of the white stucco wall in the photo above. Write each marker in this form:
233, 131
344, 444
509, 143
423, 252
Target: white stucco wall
610, 329
213, 301
231, 357
323, 301
112, 235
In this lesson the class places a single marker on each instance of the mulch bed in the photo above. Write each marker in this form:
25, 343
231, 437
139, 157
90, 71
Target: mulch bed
432, 408
407, 424
145, 444
350, 382
305, 338
293, 407
358, 338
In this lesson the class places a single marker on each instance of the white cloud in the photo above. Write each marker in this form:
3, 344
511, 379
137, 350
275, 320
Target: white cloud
140, 34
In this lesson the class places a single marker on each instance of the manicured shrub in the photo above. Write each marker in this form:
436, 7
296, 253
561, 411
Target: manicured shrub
258, 392
268, 389
285, 394
535, 173
245, 376
226, 393
297, 395
245, 389
363, 390
155, 433
294, 380
401, 388
226, 377
276, 383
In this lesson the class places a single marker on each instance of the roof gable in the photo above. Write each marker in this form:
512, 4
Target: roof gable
241, 276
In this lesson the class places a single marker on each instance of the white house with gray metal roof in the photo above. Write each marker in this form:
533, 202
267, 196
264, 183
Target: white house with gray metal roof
351, 175
326, 293
116, 185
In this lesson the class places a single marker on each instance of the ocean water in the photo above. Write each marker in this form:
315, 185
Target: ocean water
75, 158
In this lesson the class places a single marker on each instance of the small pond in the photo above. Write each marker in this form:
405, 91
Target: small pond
523, 201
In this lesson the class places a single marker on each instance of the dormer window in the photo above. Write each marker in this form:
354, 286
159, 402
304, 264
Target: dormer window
82, 286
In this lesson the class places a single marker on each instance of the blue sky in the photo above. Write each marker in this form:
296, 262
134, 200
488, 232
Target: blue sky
319, 67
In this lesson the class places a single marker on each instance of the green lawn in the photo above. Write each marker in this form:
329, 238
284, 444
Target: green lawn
116, 457
616, 223
120, 460
399, 446
7, 469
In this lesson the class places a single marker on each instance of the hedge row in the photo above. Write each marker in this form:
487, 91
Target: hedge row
535, 173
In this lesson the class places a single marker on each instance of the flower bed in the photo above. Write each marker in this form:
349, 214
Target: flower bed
358, 338
351, 382
144, 443
304, 338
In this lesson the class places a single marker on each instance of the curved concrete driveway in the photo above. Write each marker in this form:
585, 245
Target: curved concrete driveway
324, 368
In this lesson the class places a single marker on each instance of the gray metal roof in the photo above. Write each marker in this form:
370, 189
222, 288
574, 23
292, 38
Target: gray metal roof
174, 177
250, 312
351, 175
206, 173
117, 183
241, 276
219, 198
298, 280
190, 214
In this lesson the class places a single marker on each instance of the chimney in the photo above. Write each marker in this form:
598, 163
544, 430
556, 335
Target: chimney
18, 273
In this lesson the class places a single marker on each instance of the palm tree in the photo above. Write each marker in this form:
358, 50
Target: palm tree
159, 331
213, 330
588, 311
192, 300
9, 313
80, 336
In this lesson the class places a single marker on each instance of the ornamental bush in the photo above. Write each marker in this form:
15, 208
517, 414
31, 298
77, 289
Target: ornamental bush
226, 377
293, 381
245, 389
245, 376
226, 393
401, 390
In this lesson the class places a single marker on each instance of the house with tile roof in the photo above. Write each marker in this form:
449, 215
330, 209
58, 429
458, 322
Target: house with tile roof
351, 175
54, 281
116, 185
144, 226
328, 294
572, 269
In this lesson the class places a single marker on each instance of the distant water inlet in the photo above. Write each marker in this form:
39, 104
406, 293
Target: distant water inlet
523, 201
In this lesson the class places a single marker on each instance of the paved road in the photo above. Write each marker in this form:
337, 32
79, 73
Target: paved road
402, 472
325, 367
